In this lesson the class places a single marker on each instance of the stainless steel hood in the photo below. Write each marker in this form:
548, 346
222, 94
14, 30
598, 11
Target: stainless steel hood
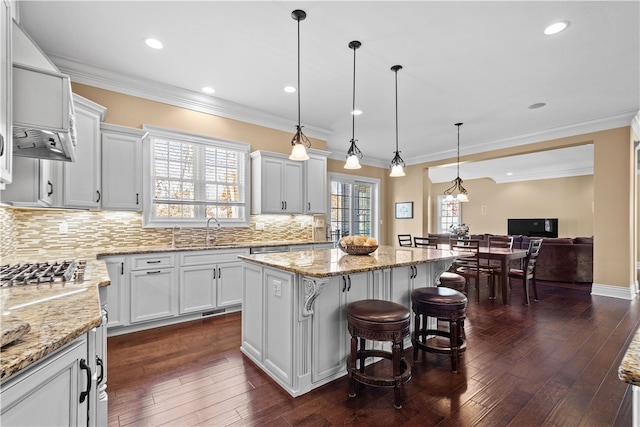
43, 116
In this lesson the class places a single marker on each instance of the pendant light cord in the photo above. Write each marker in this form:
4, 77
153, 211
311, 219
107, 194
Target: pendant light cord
298, 73
353, 110
396, 71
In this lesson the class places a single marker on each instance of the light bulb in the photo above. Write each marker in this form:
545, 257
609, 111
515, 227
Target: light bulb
299, 152
352, 162
397, 170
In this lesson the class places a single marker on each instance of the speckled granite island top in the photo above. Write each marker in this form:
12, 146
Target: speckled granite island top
629, 369
334, 262
212, 247
56, 314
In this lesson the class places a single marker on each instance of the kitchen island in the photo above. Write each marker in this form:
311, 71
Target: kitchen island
293, 317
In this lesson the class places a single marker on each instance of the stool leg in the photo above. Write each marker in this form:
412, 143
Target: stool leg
416, 335
363, 344
352, 366
453, 343
398, 389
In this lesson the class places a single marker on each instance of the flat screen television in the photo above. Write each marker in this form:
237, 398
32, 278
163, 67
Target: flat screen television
533, 227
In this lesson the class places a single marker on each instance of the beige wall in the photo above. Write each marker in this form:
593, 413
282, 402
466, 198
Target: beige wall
131, 111
568, 199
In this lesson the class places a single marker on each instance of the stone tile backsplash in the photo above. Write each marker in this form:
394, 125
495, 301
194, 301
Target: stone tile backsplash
31, 232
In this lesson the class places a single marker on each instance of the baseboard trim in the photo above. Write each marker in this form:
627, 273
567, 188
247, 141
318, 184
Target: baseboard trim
615, 291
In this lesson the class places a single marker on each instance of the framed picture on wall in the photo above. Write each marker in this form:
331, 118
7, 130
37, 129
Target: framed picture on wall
404, 210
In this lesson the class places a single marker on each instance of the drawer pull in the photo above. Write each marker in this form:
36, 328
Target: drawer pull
153, 272
154, 262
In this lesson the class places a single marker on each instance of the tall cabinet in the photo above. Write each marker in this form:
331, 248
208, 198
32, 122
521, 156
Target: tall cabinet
81, 179
6, 136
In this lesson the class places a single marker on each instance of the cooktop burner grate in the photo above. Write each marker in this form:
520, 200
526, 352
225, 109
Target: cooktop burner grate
42, 272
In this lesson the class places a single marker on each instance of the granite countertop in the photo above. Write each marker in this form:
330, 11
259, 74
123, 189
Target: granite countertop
56, 314
222, 245
334, 262
629, 369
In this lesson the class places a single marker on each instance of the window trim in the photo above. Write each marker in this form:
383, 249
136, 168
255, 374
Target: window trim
147, 195
356, 179
440, 199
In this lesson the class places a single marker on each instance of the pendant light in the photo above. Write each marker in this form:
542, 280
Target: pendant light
397, 164
354, 154
457, 183
299, 142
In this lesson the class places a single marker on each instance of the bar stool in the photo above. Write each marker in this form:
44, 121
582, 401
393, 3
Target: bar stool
378, 320
453, 281
444, 304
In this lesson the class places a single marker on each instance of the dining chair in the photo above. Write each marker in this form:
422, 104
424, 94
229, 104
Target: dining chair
503, 242
405, 240
428, 242
528, 273
468, 263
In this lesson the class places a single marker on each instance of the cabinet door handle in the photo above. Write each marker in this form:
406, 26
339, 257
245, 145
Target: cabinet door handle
99, 363
219, 273
153, 272
98, 191
85, 394
122, 268
50, 185
1, 145
344, 283
309, 206
214, 273
137, 198
349, 279
285, 205
416, 271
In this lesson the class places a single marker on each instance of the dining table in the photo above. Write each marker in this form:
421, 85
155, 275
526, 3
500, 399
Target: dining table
505, 256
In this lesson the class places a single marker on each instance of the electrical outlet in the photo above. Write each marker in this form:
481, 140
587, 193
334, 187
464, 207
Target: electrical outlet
259, 226
277, 288
63, 227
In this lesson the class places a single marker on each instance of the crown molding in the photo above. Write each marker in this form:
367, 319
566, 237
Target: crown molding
114, 81
635, 125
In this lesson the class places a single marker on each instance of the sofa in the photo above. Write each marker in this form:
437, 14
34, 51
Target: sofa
560, 260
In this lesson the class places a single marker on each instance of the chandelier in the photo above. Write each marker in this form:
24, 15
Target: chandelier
457, 183
299, 142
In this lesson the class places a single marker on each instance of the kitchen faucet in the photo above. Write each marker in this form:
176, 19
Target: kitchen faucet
218, 226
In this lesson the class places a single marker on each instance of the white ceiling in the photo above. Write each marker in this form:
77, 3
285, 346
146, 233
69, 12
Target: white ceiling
480, 63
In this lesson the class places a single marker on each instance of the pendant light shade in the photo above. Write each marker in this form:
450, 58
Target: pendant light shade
457, 183
299, 142
397, 164
353, 154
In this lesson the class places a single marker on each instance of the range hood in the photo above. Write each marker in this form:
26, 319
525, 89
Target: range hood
43, 116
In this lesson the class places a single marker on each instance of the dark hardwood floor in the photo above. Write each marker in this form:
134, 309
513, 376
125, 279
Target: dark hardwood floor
553, 363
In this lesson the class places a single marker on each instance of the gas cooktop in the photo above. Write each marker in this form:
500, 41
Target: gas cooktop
43, 273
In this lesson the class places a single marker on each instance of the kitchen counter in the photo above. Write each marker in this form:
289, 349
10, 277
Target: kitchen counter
334, 262
56, 313
221, 245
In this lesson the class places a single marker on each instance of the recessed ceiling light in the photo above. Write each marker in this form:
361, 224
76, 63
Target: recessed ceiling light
289, 89
153, 43
555, 28
536, 105
208, 89
356, 112
509, 173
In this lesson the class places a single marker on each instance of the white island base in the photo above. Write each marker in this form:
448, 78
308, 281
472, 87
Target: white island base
294, 325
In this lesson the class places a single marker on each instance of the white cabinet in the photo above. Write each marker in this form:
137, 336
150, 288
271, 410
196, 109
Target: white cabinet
280, 185
33, 183
330, 337
210, 279
81, 179
153, 290
121, 167
114, 295
404, 280
6, 100
276, 184
252, 311
51, 392
316, 183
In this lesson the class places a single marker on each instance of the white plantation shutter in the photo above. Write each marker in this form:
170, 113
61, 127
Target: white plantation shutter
196, 178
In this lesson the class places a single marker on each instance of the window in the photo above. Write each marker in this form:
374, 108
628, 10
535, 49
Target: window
449, 213
192, 178
354, 206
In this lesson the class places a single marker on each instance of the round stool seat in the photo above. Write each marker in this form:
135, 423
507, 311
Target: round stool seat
453, 280
378, 320
439, 303
374, 310
441, 298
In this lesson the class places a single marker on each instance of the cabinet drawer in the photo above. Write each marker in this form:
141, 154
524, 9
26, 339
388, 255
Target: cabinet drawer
142, 262
212, 256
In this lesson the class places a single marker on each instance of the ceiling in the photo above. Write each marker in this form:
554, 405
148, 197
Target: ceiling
480, 63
